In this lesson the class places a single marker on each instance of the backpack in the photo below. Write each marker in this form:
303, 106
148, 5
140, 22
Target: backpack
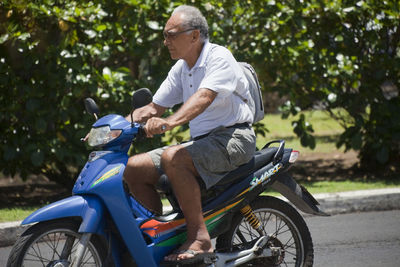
255, 103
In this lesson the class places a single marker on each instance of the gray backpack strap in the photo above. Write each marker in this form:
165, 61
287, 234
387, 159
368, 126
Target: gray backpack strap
255, 104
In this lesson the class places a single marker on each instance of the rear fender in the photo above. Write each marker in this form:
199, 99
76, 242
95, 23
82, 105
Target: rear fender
89, 208
297, 194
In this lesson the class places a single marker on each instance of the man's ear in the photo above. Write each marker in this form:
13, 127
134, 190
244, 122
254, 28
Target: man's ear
195, 35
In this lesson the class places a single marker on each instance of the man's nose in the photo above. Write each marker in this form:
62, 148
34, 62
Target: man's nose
166, 42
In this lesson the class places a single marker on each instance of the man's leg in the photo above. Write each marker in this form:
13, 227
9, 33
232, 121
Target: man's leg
178, 165
141, 176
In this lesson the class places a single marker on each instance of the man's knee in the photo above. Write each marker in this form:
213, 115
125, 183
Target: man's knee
177, 157
140, 169
134, 163
173, 156
169, 155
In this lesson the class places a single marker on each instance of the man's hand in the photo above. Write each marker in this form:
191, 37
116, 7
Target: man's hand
141, 115
156, 126
194, 106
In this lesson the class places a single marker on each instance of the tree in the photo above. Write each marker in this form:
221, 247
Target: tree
53, 54
338, 55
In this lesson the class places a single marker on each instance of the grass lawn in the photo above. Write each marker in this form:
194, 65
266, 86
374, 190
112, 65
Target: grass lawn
16, 214
326, 131
344, 186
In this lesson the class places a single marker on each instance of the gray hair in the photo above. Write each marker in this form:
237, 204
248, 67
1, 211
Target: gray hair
193, 19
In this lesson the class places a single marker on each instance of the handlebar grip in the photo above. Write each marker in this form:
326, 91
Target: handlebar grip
141, 134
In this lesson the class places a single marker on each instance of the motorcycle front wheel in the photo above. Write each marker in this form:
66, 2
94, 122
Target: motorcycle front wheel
52, 244
285, 226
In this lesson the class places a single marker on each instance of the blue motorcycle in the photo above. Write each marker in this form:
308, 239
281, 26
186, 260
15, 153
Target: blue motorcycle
102, 224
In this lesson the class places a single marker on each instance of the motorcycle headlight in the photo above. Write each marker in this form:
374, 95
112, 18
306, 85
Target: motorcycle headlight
102, 135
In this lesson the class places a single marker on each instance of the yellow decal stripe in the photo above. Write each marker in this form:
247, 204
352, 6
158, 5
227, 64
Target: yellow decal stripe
107, 175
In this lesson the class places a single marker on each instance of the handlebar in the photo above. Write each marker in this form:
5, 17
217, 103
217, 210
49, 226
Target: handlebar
141, 134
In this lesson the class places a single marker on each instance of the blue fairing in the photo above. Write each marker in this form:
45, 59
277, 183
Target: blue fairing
89, 208
94, 170
99, 191
114, 121
117, 122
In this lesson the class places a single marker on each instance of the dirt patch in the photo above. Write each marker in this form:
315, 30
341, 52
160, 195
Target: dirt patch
36, 191
333, 166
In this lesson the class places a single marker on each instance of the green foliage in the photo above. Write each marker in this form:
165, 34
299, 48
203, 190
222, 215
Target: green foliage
55, 53
326, 54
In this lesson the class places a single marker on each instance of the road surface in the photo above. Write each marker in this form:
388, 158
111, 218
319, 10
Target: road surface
366, 239
357, 239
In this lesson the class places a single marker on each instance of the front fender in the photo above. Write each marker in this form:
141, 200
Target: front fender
297, 194
89, 208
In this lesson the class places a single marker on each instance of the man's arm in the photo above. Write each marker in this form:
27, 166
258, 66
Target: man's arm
194, 106
142, 114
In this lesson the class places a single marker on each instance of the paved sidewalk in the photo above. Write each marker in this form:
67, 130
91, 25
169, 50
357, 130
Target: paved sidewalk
331, 203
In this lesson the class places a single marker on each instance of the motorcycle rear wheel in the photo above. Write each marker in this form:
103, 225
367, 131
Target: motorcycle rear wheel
280, 221
52, 243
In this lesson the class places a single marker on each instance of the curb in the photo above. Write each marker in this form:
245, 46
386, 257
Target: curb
331, 203
360, 201
9, 232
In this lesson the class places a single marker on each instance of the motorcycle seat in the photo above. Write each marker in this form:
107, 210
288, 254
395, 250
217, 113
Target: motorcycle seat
260, 158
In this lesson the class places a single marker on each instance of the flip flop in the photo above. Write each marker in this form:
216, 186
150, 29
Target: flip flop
198, 259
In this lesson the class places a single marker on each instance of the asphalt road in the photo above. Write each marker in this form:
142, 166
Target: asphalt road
357, 239
347, 240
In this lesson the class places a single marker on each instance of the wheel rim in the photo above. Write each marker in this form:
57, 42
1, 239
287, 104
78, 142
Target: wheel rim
277, 225
46, 250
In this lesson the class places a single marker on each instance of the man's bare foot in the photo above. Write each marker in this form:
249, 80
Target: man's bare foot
189, 249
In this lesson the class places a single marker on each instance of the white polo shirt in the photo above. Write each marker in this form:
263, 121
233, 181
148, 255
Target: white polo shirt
216, 69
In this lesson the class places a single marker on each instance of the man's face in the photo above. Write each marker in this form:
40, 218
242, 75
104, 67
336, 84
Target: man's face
176, 38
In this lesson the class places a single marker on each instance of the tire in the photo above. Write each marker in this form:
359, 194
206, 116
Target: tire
42, 244
280, 221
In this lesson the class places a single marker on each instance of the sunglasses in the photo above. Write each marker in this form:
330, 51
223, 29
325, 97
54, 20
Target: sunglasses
172, 35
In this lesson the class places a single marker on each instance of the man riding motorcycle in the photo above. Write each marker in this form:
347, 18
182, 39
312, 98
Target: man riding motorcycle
213, 89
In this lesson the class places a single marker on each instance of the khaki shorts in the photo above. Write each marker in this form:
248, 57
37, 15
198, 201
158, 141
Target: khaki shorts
221, 151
